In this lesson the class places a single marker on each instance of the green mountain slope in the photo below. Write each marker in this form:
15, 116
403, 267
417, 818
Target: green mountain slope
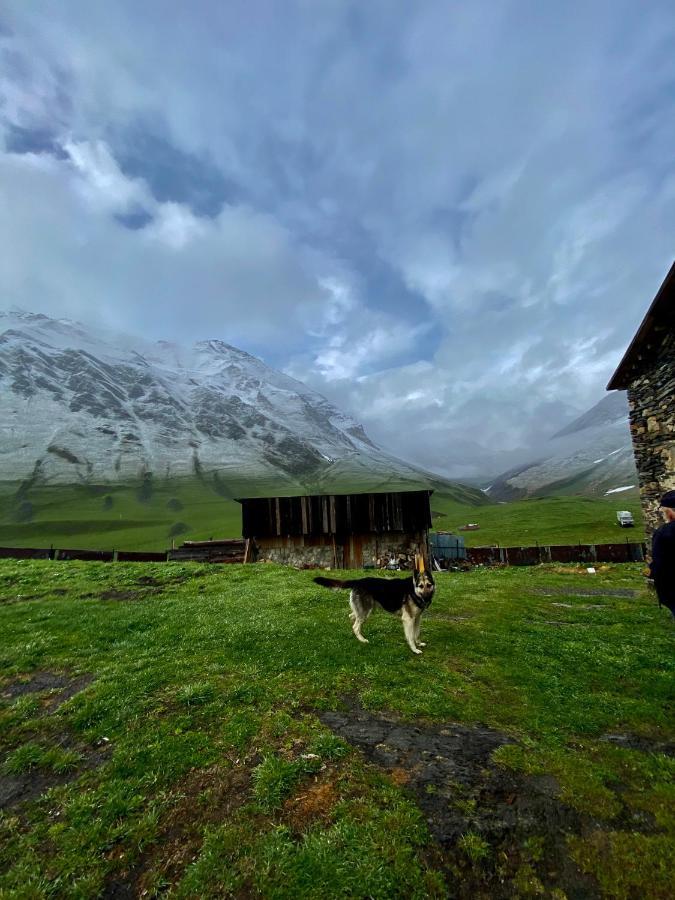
146, 515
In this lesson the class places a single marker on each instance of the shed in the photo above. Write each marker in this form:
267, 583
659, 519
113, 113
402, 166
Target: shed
647, 372
345, 531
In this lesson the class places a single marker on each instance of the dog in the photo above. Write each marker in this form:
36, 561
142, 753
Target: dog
409, 597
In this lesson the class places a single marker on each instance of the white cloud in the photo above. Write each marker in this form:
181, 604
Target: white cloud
236, 276
456, 211
100, 180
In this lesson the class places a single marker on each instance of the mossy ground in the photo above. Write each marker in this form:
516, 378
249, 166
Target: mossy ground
195, 761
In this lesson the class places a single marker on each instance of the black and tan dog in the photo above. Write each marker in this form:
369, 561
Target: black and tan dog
407, 596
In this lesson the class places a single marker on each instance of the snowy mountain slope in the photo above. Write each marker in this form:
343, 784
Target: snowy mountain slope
611, 410
591, 455
77, 405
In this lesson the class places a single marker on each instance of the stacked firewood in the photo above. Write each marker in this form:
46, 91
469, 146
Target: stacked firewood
225, 551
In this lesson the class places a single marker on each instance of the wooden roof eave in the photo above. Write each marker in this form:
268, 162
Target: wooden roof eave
622, 377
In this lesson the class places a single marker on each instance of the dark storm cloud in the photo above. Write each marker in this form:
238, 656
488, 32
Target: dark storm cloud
33, 140
173, 175
455, 212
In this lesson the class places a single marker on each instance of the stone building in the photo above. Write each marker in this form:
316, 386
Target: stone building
647, 372
340, 531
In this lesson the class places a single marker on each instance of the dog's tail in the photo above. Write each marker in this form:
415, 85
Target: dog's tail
333, 583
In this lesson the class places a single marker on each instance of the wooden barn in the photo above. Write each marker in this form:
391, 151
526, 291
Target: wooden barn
647, 372
343, 531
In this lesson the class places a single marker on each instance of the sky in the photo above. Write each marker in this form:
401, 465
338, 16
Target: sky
448, 218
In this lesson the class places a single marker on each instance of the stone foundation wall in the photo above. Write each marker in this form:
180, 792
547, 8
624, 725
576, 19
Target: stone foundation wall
301, 557
651, 400
362, 550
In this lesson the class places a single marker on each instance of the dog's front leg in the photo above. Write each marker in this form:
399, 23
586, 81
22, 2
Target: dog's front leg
418, 625
409, 630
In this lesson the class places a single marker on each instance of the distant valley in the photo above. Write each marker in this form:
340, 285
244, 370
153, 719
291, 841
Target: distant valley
119, 442
591, 456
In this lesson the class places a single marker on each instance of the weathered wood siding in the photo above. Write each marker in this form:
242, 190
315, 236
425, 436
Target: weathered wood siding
336, 514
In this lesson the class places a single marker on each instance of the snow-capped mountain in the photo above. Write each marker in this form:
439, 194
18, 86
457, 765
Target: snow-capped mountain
81, 406
591, 455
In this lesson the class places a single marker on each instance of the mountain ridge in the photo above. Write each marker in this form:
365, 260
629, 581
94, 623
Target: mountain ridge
591, 455
80, 406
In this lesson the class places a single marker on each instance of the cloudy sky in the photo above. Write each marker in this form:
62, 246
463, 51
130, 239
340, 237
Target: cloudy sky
447, 217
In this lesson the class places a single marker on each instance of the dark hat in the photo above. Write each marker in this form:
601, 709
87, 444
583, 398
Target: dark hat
668, 500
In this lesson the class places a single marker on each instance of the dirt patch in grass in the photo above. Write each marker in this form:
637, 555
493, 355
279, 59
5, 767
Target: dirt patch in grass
482, 816
641, 743
149, 581
440, 617
585, 592
125, 596
18, 789
22, 787
66, 686
313, 804
148, 586
206, 797
24, 598
579, 605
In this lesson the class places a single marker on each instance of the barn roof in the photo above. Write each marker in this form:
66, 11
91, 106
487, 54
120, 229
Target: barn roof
660, 317
338, 480
408, 490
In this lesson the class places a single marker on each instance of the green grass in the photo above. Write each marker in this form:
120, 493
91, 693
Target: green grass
116, 517
33, 756
106, 518
550, 520
220, 780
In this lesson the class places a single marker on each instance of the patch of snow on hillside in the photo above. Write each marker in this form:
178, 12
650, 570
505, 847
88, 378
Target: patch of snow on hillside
619, 489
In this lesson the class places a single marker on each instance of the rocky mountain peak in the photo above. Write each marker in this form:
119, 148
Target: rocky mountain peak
80, 405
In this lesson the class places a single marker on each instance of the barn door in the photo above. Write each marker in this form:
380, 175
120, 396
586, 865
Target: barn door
353, 552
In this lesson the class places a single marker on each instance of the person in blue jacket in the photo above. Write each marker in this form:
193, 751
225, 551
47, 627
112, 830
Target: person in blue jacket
662, 568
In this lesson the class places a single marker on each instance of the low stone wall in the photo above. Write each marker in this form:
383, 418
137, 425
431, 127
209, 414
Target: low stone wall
651, 400
354, 551
301, 557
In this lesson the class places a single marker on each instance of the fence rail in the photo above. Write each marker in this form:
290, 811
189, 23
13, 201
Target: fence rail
569, 553
234, 552
201, 551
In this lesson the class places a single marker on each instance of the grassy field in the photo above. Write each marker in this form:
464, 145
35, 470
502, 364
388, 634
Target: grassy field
550, 520
209, 732
132, 518
121, 517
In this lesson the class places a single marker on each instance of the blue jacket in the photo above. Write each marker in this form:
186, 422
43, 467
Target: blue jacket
663, 564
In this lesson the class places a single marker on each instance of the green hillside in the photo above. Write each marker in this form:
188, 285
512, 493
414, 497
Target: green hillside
547, 520
148, 515
145, 516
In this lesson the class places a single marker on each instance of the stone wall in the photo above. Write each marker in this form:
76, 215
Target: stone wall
376, 550
651, 400
301, 557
